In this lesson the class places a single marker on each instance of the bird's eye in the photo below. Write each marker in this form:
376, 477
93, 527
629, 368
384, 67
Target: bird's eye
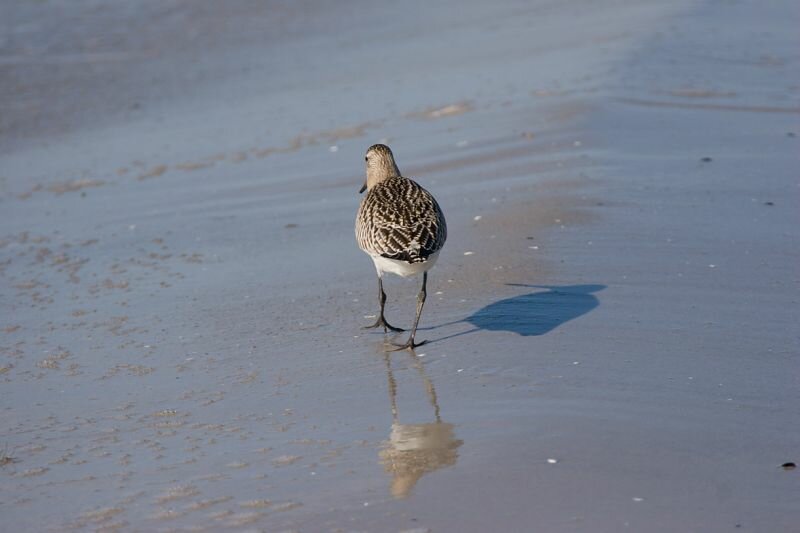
366, 159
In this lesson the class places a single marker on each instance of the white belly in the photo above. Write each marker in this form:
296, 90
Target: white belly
402, 268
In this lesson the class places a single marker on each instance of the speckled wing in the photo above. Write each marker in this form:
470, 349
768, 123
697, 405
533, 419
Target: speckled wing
398, 219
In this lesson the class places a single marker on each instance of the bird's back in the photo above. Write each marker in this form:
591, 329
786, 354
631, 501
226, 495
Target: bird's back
398, 219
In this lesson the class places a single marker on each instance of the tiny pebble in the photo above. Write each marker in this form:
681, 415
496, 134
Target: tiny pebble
638, 499
788, 466
706, 160
477, 217
333, 149
468, 253
552, 461
460, 370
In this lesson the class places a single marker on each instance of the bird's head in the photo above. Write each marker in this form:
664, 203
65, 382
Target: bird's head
380, 166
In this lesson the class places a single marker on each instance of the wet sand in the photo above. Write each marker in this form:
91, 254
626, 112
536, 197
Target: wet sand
612, 324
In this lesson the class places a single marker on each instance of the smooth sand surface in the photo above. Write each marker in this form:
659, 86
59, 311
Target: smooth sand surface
613, 323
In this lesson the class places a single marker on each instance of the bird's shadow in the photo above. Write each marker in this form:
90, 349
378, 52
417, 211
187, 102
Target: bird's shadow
535, 313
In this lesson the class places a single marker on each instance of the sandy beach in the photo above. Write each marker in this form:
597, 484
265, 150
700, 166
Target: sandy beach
612, 327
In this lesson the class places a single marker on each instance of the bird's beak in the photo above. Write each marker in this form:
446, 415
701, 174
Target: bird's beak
363, 188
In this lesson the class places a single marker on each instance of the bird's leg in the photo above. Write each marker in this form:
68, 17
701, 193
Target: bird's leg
381, 320
423, 293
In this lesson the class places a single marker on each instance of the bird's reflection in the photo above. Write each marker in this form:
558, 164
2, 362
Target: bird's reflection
413, 450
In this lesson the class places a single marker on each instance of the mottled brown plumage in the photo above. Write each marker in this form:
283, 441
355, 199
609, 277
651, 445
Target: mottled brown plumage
398, 219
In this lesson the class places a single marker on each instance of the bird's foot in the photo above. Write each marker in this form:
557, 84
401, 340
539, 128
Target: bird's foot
408, 345
382, 322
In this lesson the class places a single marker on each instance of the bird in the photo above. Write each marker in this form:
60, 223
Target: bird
401, 227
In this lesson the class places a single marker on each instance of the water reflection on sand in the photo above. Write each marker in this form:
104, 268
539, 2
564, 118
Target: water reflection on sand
414, 450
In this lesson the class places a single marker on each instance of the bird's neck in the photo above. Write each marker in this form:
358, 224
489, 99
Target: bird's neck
379, 175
